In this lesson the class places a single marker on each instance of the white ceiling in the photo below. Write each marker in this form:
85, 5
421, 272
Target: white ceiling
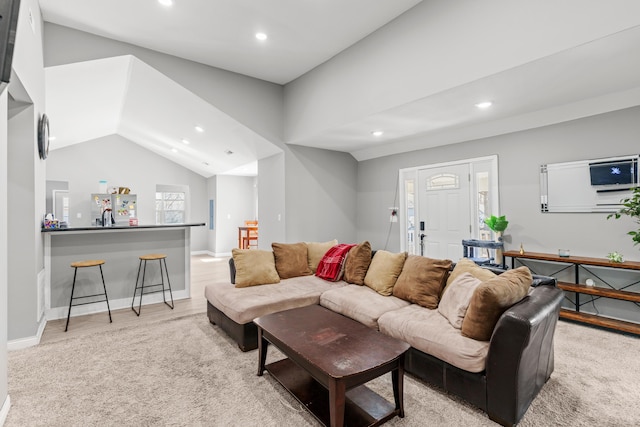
592, 78
125, 96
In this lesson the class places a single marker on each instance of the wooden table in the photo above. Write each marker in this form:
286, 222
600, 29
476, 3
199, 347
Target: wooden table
330, 357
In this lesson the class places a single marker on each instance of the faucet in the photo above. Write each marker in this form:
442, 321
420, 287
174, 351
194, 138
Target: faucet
104, 220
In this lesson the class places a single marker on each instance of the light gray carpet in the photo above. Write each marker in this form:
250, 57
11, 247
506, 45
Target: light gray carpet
186, 372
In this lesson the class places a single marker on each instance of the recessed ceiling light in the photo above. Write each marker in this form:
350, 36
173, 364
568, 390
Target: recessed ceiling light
377, 133
261, 36
485, 104
166, 2
175, 150
185, 142
199, 129
228, 152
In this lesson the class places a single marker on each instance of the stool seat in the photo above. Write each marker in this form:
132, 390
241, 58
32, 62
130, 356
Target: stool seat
152, 257
87, 263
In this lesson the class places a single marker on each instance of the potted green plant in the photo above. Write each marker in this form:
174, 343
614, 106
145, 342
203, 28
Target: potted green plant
630, 207
497, 224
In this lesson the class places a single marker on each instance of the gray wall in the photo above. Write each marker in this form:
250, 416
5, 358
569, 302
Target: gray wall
235, 203
519, 158
123, 163
271, 198
320, 195
3, 250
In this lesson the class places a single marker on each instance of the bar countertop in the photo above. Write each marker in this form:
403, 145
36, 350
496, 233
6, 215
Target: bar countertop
128, 227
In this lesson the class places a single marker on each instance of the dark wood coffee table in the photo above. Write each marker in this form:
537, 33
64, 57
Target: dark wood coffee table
330, 358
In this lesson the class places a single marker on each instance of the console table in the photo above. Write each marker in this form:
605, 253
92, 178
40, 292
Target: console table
579, 264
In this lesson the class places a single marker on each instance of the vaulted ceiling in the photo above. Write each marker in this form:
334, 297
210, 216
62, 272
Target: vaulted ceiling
595, 74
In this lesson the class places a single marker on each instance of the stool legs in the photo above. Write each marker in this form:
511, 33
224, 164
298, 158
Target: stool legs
73, 288
142, 286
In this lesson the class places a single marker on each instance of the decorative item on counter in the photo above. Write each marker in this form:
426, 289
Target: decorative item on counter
49, 222
521, 249
565, 253
124, 190
615, 257
102, 188
133, 222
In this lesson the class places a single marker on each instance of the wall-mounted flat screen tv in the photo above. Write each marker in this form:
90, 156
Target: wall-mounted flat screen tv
618, 172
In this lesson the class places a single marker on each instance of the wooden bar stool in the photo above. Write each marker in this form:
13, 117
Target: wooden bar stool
83, 264
162, 259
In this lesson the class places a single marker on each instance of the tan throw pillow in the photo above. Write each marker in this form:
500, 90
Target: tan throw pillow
384, 271
291, 259
357, 263
315, 252
465, 265
491, 299
455, 302
422, 280
254, 267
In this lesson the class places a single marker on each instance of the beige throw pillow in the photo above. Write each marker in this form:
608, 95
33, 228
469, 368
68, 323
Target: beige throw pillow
254, 267
357, 263
291, 259
465, 265
491, 299
315, 252
422, 280
384, 271
455, 302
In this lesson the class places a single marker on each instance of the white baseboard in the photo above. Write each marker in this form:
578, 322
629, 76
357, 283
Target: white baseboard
61, 312
4, 411
222, 254
21, 343
201, 253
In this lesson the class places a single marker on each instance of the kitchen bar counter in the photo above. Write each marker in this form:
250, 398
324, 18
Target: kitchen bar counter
133, 227
121, 248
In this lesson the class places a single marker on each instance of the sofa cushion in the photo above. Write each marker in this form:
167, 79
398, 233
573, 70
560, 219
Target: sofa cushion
384, 271
331, 266
242, 305
465, 265
426, 330
491, 299
357, 263
360, 303
291, 259
315, 252
453, 305
254, 267
422, 280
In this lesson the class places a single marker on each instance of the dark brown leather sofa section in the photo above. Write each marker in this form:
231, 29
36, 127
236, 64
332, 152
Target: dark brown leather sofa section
519, 363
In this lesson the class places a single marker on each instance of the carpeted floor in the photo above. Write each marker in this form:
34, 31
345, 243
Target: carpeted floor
186, 372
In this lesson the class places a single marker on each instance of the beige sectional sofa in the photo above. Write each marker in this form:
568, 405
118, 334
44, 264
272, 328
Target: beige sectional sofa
500, 374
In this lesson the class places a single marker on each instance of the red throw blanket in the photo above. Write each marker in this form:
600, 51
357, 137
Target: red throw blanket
331, 266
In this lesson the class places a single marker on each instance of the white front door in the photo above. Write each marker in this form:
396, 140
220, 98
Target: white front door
444, 208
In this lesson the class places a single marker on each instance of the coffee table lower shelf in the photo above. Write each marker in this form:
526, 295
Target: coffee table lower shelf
363, 407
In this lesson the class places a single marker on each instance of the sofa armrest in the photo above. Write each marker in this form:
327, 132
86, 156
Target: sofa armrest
232, 271
520, 359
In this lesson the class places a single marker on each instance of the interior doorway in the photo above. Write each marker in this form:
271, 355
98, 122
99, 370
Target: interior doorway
442, 204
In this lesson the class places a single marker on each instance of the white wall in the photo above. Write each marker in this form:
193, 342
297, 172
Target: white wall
235, 203
520, 155
125, 164
271, 200
412, 57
